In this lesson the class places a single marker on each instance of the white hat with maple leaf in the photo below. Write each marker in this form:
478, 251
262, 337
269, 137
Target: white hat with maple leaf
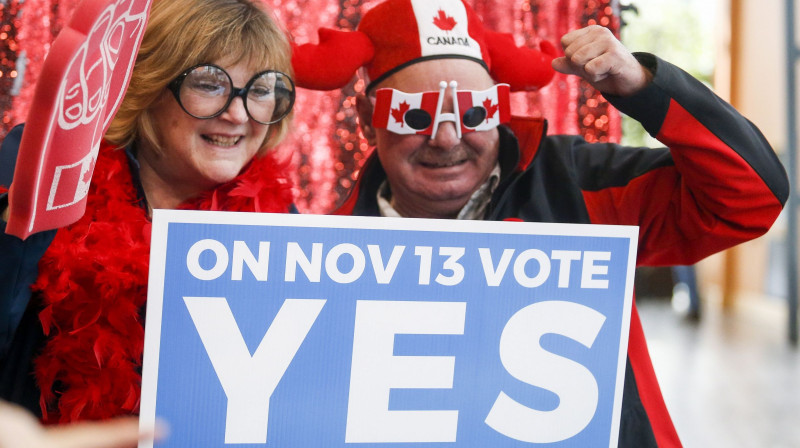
397, 33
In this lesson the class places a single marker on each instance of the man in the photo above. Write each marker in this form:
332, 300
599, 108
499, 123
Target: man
718, 182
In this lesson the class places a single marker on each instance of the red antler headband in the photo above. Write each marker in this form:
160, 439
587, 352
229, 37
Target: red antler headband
397, 33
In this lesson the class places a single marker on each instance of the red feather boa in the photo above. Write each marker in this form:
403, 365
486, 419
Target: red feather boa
93, 285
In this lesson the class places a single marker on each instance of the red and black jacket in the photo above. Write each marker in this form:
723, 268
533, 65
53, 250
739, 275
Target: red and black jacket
717, 183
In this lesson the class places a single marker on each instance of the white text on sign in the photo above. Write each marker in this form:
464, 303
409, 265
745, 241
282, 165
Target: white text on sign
529, 268
249, 381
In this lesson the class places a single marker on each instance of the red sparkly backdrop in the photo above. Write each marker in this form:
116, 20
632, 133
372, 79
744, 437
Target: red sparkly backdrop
325, 145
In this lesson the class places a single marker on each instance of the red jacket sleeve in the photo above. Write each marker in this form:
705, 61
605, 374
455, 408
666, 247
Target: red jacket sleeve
724, 185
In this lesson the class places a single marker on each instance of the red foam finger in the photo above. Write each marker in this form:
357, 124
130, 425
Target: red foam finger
82, 83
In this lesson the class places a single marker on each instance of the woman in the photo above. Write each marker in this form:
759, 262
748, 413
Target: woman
208, 96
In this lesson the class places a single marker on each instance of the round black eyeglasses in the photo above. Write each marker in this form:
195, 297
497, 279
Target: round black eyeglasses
205, 91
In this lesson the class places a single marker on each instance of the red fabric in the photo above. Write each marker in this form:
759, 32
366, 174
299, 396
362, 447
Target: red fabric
330, 64
520, 67
93, 285
740, 201
346, 209
647, 383
712, 213
529, 132
387, 26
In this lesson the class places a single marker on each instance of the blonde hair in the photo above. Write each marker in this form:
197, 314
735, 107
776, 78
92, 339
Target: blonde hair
183, 33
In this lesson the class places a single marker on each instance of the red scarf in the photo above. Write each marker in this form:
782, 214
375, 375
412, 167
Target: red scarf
93, 285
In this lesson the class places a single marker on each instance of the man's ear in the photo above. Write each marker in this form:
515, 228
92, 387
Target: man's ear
364, 109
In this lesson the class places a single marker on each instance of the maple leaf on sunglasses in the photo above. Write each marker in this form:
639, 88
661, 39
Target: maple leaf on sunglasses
490, 109
398, 113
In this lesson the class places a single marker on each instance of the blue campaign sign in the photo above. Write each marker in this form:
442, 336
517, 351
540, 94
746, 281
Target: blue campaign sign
268, 330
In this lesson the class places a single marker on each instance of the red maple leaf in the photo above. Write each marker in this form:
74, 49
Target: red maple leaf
490, 110
398, 113
444, 22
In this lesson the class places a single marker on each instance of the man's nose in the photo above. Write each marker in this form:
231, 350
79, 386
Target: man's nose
446, 128
446, 136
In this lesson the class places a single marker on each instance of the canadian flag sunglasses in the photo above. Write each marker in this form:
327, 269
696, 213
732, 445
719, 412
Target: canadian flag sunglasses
421, 113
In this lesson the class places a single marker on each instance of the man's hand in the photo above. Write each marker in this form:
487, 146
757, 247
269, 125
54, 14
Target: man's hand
594, 54
19, 429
